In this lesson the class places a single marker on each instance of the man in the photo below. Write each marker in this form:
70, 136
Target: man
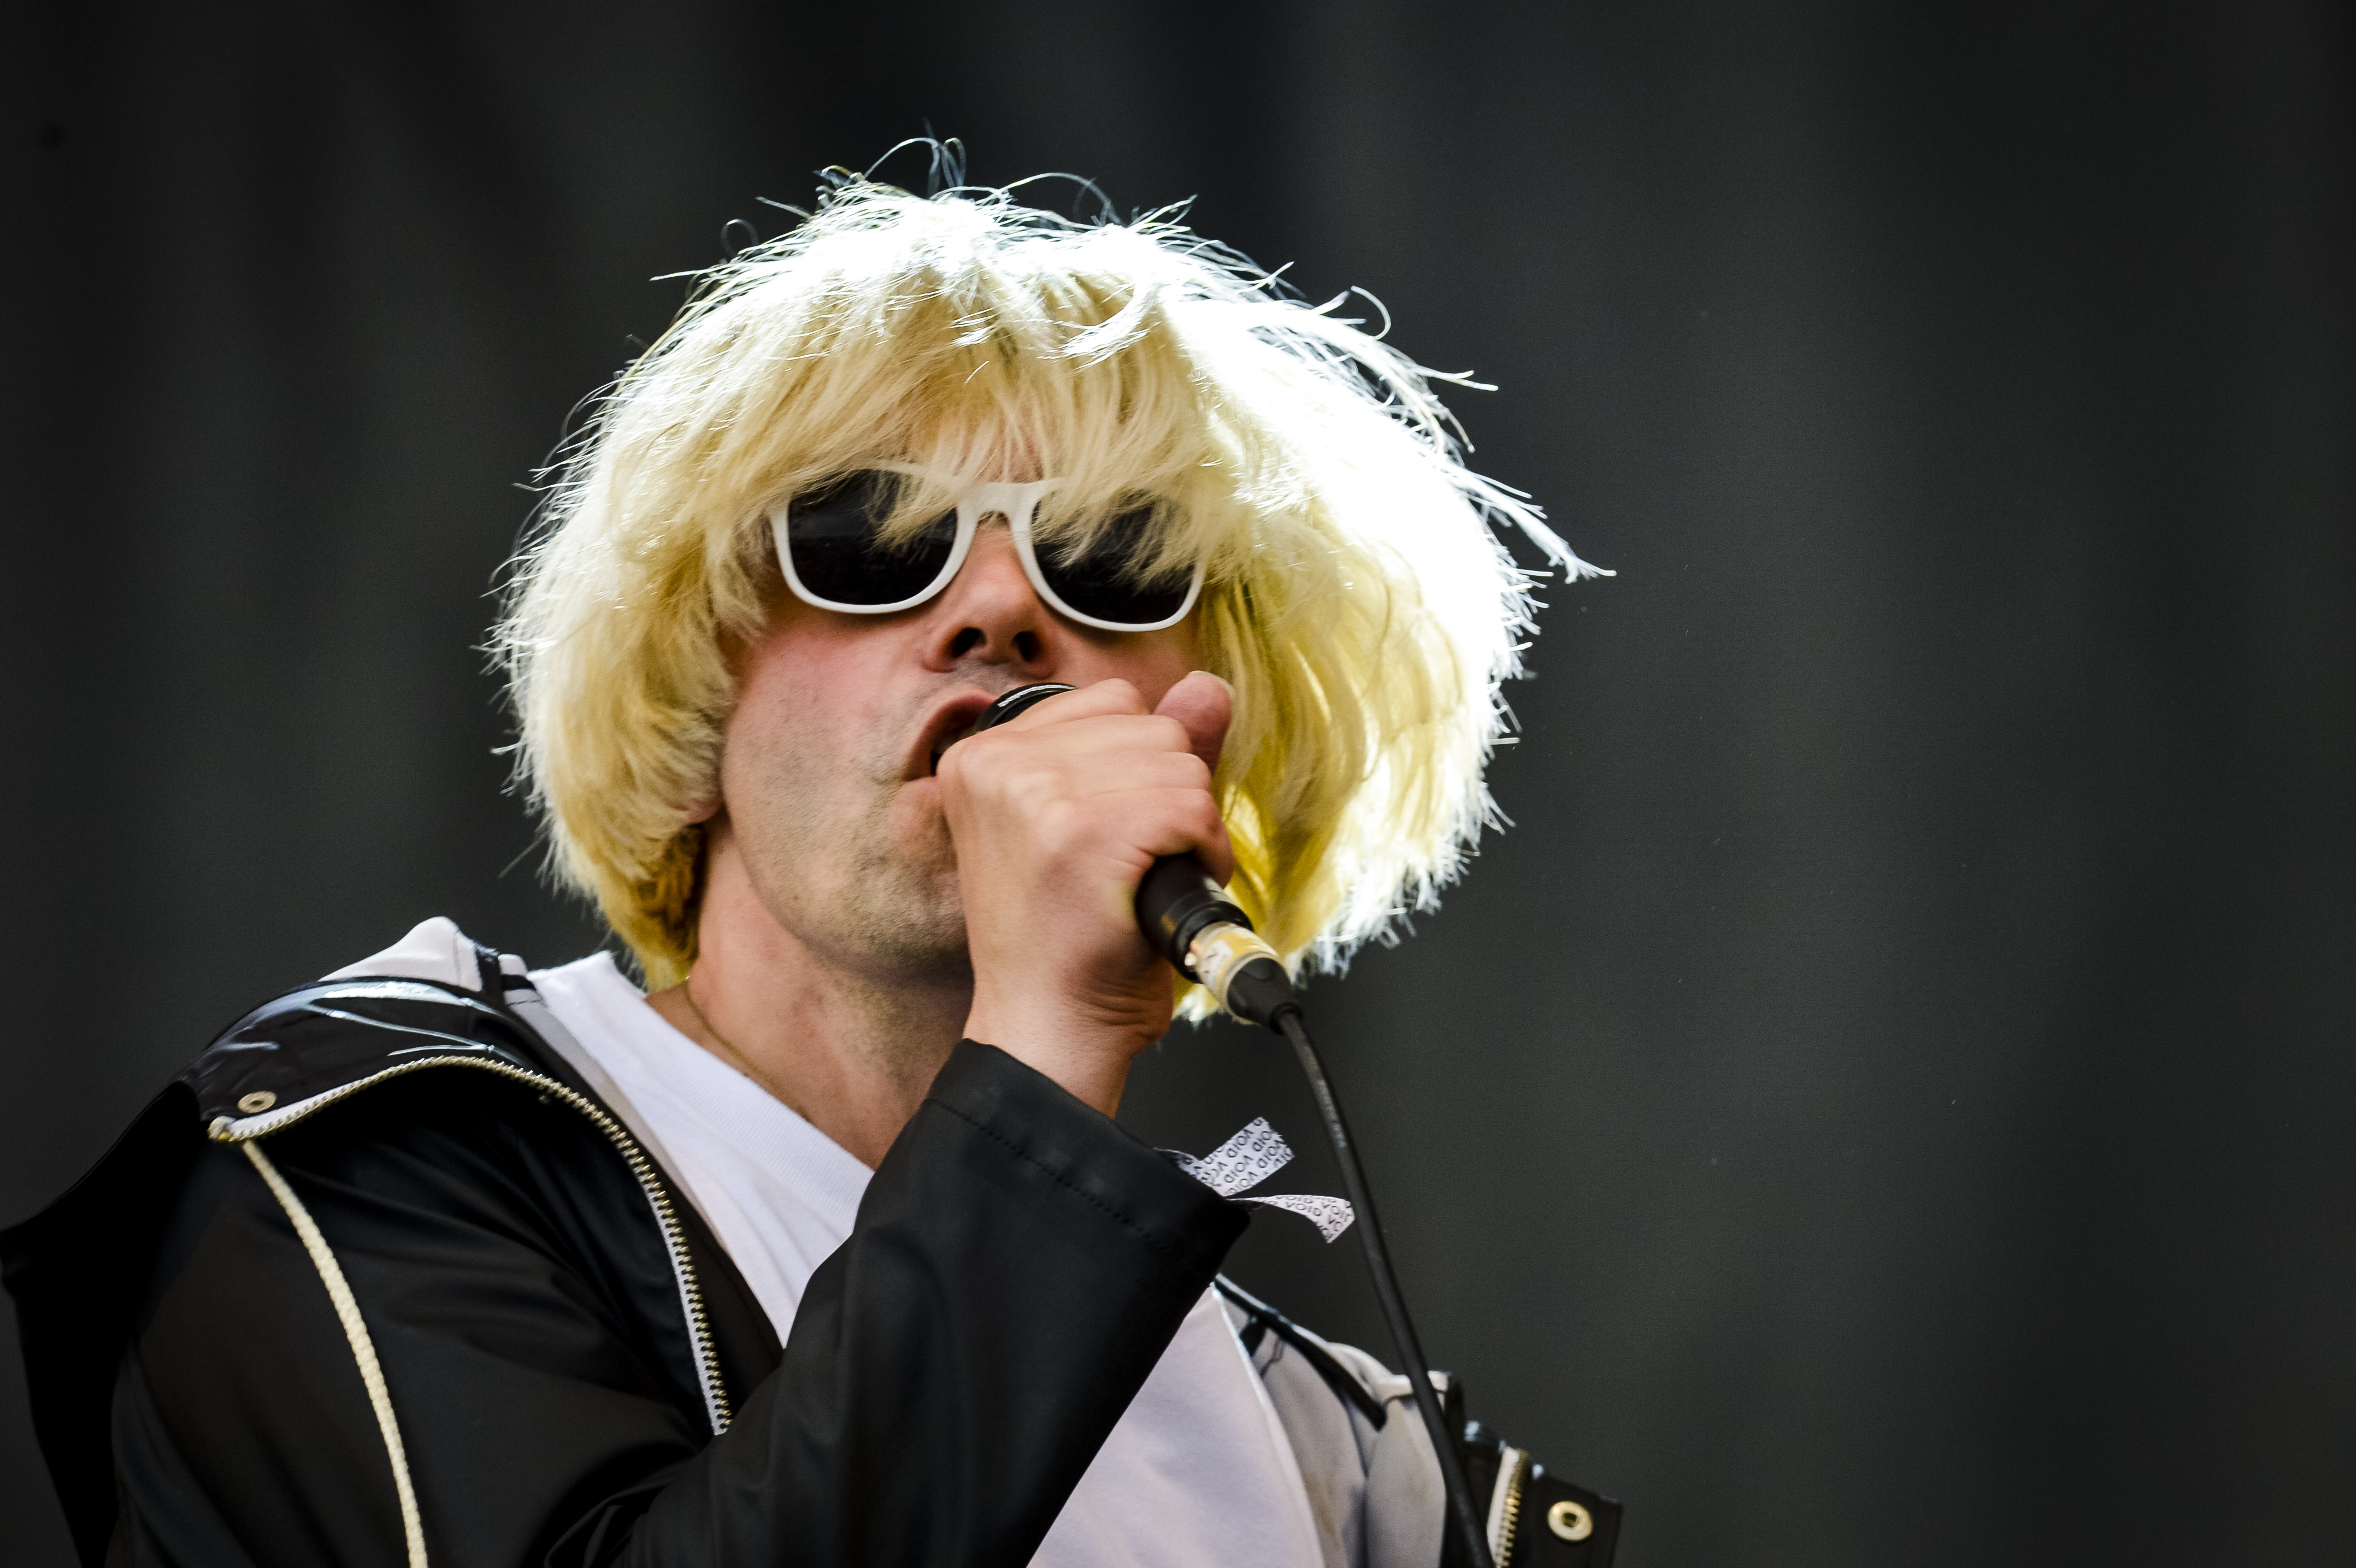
826, 1250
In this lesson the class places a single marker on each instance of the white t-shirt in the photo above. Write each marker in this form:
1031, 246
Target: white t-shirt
1197, 1474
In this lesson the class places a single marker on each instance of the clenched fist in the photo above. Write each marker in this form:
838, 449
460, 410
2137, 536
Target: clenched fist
1056, 815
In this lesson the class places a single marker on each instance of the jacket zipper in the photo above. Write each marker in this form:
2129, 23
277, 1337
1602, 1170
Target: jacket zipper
1509, 1519
231, 1130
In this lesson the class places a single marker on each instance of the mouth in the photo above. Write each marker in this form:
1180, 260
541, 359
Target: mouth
950, 722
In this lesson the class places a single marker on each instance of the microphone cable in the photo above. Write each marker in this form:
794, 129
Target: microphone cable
1206, 937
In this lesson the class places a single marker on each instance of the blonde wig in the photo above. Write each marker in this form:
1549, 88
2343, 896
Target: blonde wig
1357, 597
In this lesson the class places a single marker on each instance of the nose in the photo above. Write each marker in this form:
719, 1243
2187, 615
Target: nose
991, 615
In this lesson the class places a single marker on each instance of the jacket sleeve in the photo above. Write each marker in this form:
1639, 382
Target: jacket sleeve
1018, 1266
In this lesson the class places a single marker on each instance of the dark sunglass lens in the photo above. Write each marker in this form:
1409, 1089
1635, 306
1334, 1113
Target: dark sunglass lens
1098, 581
838, 557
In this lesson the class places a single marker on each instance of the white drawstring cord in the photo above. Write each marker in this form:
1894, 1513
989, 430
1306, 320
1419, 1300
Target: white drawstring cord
347, 1311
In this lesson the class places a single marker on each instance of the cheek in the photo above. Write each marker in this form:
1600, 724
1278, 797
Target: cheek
798, 702
1153, 662
1180, 646
1167, 659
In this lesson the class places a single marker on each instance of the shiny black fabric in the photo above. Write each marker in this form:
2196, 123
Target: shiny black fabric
1018, 1266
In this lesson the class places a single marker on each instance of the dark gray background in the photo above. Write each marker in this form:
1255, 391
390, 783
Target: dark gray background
1887, 1101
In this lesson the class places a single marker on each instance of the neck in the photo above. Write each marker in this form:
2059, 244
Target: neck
853, 1051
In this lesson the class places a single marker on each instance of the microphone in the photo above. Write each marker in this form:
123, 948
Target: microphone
1186, 915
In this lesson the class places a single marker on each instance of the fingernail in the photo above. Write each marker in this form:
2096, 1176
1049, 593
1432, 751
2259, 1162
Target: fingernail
1221, 679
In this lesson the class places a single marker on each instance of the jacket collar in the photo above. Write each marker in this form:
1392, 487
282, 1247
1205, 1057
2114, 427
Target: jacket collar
324, 1039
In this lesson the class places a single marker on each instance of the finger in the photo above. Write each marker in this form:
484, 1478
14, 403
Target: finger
1081, 702
1105, 732
1206, 705
1182, 822
1105, 741
1135, 770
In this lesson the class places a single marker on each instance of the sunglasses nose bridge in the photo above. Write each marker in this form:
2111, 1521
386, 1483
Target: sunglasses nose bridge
1006, 503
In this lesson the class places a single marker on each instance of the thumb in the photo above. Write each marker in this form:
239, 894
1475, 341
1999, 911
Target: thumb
1203, 704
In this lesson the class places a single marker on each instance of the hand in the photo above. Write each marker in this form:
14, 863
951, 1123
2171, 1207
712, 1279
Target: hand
1056, 816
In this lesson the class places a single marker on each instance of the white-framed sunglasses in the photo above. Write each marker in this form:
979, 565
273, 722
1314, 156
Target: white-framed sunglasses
828, 544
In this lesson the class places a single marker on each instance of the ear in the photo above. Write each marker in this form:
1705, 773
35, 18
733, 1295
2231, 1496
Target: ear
703, 811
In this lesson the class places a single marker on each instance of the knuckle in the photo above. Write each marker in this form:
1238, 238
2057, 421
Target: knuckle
1057, 826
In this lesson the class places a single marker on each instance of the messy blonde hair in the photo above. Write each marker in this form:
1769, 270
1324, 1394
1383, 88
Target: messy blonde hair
1356, 598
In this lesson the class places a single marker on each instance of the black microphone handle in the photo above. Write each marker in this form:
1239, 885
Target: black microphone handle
1176, 899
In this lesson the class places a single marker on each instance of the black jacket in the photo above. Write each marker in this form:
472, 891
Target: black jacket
379, 1281
559, 1336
